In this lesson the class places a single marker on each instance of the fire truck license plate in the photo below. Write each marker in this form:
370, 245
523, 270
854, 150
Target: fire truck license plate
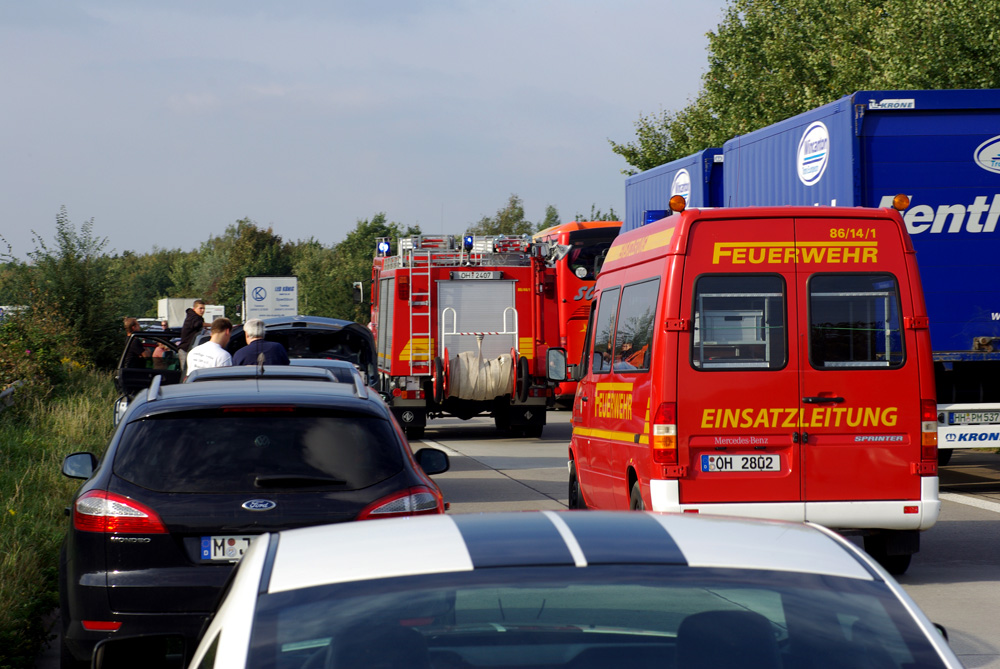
975, 417
224, 549
741, 462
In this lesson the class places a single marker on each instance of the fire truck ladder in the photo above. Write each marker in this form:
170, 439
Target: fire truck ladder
420, 312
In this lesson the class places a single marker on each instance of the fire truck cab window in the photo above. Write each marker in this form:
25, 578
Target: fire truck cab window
603, 326
854, 321
739, 323
634, 334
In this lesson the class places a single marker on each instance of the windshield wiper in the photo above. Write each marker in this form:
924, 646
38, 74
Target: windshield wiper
294, 481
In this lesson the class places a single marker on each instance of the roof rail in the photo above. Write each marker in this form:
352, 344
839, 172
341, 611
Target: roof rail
154, 389
360, 389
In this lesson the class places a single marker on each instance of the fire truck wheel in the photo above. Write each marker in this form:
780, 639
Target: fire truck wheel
437, 381
944, 456
635, 499
522, 381
575, 496
876, 545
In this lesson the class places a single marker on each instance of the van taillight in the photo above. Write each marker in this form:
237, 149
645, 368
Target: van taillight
928, 430
665, 434
102, 511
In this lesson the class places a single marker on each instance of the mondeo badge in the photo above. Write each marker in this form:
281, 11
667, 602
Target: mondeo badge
259, 505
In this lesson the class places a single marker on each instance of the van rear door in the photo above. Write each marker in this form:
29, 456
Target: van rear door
860, 418
738, 384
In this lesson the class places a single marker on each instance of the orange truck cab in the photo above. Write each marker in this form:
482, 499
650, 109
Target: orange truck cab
771, 362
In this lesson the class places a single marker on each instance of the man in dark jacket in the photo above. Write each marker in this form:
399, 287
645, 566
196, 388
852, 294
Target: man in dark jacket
194, 323
273, 353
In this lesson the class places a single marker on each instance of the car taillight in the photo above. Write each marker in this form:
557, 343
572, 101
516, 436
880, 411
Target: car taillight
102, 511
414, 501
665, 434
928, 430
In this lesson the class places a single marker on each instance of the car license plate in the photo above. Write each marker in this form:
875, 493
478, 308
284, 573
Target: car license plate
975, 417
224, 549
741, 462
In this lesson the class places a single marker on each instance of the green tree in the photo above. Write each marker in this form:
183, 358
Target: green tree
254, 252
353, 262
598, 215
508, 221
315, 266
140, 279
771, 59
551, 219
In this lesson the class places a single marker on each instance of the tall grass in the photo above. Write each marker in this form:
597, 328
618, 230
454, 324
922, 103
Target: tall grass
35, 436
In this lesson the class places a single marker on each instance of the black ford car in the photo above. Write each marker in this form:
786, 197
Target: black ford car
195, 471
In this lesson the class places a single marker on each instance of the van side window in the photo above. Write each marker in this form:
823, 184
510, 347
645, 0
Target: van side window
634, 334
606, 312
739, 322
854, 321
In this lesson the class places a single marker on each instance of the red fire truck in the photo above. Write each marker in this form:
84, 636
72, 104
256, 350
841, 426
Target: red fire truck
576, 250
461, 329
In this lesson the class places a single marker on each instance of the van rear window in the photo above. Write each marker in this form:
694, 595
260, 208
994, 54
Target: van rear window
739, 322
854, 321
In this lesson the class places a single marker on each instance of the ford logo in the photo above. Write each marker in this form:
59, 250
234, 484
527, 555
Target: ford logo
987, 155
259, 505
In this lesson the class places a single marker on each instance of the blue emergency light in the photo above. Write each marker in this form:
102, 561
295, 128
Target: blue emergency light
383, 248
652, 215
467, 242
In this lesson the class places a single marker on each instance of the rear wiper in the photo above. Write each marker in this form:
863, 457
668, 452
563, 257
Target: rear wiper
292, 481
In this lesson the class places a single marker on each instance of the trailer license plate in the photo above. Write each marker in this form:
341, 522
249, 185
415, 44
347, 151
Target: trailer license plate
975, 417
224, 549
741, 462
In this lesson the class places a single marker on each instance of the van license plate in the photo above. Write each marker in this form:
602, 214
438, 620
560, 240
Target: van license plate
740, 462
975, 417
224, 549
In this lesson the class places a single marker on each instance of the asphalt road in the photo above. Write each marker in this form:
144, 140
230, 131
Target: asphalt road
955, 578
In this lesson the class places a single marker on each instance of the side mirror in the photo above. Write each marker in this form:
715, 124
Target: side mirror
555, 364
151, 651
79, 465
432, 461
359, 292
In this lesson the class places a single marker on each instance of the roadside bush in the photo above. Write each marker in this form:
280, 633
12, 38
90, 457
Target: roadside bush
76, 416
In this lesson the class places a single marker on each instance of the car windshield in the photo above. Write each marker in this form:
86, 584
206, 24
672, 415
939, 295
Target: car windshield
248, 449
593, 617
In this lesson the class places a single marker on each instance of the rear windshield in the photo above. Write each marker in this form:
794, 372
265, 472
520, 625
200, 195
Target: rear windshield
238, 450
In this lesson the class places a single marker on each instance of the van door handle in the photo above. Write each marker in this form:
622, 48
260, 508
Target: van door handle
821, 400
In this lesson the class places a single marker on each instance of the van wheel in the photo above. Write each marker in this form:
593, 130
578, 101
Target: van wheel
522, 382
944, 456
635, 499
876, 546
575, 495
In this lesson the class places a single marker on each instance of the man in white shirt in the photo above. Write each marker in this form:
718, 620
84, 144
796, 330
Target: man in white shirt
212, 353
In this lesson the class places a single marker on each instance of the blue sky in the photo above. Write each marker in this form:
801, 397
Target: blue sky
166, 122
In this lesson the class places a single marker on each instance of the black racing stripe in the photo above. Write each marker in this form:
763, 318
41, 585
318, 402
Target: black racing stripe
508, 539
611, 538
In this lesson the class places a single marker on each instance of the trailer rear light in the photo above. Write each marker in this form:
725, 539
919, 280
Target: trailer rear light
416, 501
664, 440
408, 394
103, 511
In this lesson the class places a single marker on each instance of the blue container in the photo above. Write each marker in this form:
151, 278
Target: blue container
697, 177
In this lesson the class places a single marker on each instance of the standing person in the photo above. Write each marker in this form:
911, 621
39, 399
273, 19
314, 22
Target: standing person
212, 353
273, 353
135, 354
194, 323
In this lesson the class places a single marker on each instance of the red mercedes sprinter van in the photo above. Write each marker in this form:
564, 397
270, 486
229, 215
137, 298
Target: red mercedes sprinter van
772, 362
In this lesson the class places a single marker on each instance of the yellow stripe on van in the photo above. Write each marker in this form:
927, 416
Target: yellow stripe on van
611, 435
641, 245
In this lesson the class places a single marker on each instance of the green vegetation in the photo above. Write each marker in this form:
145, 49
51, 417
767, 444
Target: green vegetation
35, 434
772, 59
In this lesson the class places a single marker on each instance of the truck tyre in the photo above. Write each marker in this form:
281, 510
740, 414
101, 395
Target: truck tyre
414, 431
944, 456
437, 381
575, 496
522, 381
635, 499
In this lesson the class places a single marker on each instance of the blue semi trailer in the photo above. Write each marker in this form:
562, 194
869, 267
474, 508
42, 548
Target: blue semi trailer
697, 177
942, 149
